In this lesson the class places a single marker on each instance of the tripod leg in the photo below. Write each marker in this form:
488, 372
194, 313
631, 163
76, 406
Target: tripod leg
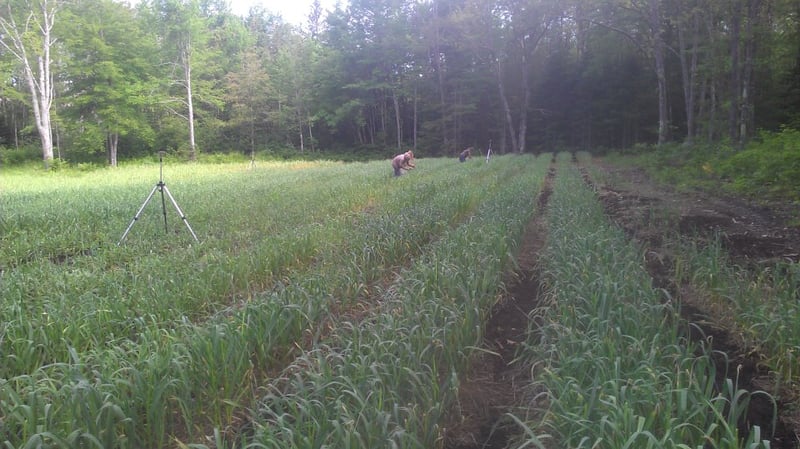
180, 212
138, 214
161, 187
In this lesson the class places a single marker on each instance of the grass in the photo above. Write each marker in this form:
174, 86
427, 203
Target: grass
757, 304
386, 380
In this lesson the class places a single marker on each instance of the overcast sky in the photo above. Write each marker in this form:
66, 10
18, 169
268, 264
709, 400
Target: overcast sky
292, 11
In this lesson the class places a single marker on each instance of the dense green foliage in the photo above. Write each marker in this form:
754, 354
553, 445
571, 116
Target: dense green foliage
768, 166
766, 169
191, 78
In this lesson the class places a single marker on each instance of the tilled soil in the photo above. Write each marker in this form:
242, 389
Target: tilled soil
495, 384
753, 235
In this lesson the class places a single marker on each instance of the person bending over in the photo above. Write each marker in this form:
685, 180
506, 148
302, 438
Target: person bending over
464, 155
403, 161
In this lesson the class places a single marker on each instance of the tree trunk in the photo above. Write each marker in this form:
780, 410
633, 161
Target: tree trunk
691, 125
658, 56
40, 82
113, 145
310, 133
710, 105
399, 129
506, 108
735, 87
689, 74
746, 112
415, 116
302, 143
252, 135
437, 61
526, 95
712, 117
581, 32
187, 73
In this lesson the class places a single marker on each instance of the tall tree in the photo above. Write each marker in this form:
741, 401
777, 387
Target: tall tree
655, 20
748, 48
181, 28
372, 38
293, 70
248, 92
642, 22
437, 49
687, 22
110, 75
27, 34
524, 25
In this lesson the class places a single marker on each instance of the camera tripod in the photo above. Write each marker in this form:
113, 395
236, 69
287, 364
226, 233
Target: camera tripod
161, 187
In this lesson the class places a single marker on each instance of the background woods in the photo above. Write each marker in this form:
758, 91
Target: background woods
91, 80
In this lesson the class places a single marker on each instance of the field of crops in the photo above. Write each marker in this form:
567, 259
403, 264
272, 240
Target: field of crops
615, 366
330, 305
325, 303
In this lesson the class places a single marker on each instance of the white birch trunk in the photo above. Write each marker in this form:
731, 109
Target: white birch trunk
187, 74
40, 79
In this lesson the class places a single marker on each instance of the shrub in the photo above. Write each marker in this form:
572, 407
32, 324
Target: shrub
20, 155
768, 168
769, 165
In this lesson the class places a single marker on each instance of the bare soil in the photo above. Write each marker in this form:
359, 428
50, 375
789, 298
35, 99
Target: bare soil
753, 235
496, 383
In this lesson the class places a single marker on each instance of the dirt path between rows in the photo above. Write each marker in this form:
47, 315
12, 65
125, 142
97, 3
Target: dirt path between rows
495, 384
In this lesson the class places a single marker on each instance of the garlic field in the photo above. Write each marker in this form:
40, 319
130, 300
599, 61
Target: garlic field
330, 304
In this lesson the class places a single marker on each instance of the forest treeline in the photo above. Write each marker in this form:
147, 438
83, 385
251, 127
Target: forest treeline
89, 80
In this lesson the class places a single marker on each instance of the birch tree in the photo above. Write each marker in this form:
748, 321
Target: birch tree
181, 29
26, 33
